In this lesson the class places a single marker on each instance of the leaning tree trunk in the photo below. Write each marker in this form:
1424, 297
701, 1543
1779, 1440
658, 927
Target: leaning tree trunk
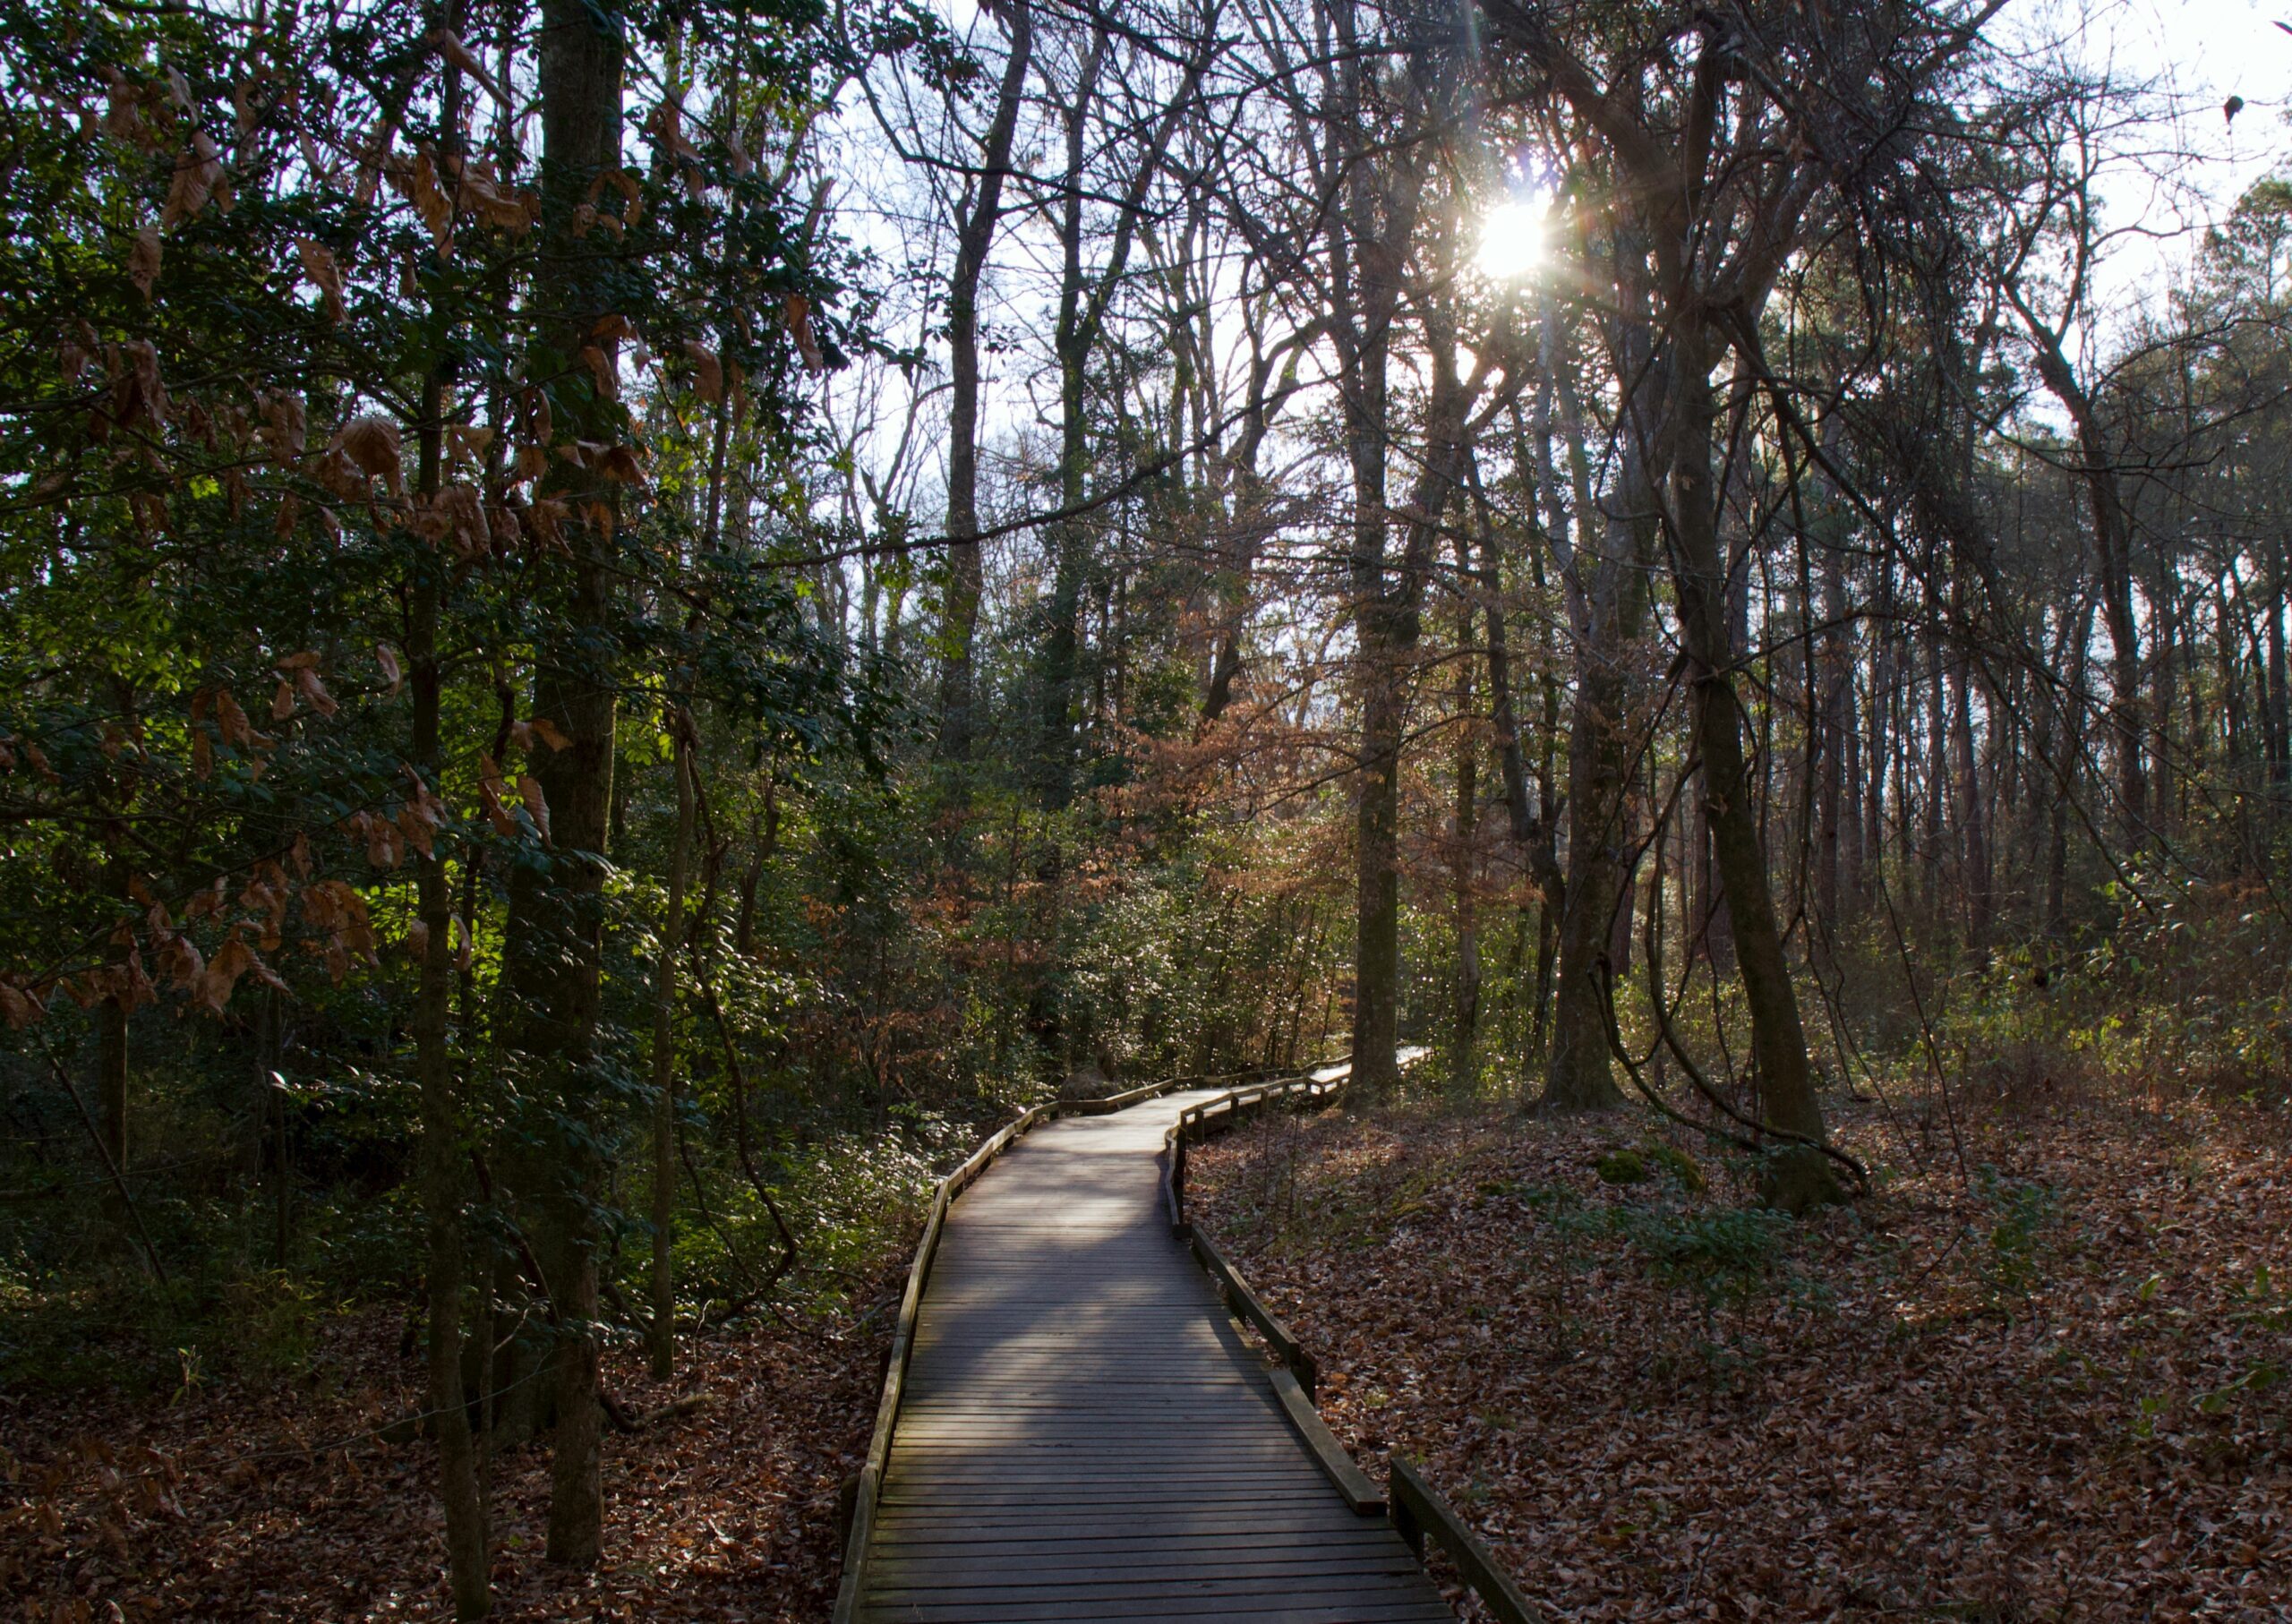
1786, 1082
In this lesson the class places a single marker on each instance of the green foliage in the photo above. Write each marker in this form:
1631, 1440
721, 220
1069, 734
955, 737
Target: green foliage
255, 316
1721, 1254
1656, 1157
2022, 1209
1623, 1166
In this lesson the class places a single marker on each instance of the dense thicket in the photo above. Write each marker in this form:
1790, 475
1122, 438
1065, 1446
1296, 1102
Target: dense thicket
616, 619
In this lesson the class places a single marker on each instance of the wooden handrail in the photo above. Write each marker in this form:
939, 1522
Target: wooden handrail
1195, 1122
867, 1486
1418, 1512
1244, 1303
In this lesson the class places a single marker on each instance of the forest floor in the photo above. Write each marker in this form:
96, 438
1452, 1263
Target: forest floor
2033, 1378
2039, 1375
277, 1500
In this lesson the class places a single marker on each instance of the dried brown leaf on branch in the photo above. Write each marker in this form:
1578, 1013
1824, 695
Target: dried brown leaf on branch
371, 443
489, 789
213, 988
321, 271
143, 260
138, 397
455, 512
285, 429
621, 463
537, 804
452, 48
199, 178
180, 962
420, 184
124, 118
18, 1007
602, 371
707, 371
313, 691
231, 722
798, 311
480, 192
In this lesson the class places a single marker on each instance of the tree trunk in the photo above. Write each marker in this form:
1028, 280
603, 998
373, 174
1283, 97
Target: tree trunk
551, 970
1974, 848
1787, 1083
1074, 338
1376, 949
1830, 742
1606, 584
1464, 1016
958, 679
443, 1160
1880, 712
1937, 776
662, 1338
111, 1078
2113, 545
2069, 752
2280, 697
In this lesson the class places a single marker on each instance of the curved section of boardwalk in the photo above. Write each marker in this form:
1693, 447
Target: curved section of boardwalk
1085, 1435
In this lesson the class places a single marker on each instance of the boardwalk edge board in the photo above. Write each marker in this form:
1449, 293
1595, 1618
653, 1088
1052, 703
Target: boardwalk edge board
864, 1490
1415, 1508
1296, 1362
1418, 1513
1330, 1455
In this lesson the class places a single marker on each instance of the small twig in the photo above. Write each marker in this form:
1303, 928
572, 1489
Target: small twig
111, 1167
741, 1120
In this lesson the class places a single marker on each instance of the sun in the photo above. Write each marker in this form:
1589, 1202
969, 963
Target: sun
1512, 238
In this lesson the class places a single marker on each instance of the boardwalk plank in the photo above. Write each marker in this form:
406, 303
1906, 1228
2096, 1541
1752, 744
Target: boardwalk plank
1085, 1433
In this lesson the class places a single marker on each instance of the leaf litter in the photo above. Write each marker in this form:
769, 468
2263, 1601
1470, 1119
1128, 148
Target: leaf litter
2052, 1385
284, 1500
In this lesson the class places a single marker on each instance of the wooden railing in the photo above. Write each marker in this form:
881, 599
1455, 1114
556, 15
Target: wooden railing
1416, 1510
862, 1492
1199, 1122
1421, 1514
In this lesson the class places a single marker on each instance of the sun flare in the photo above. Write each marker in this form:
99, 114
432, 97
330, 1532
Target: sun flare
1512, 238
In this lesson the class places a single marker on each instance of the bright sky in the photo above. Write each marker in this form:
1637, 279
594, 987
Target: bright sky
2226, 48
2200, 53
2197, 53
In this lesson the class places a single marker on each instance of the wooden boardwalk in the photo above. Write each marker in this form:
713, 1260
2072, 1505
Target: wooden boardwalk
1085, 1434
